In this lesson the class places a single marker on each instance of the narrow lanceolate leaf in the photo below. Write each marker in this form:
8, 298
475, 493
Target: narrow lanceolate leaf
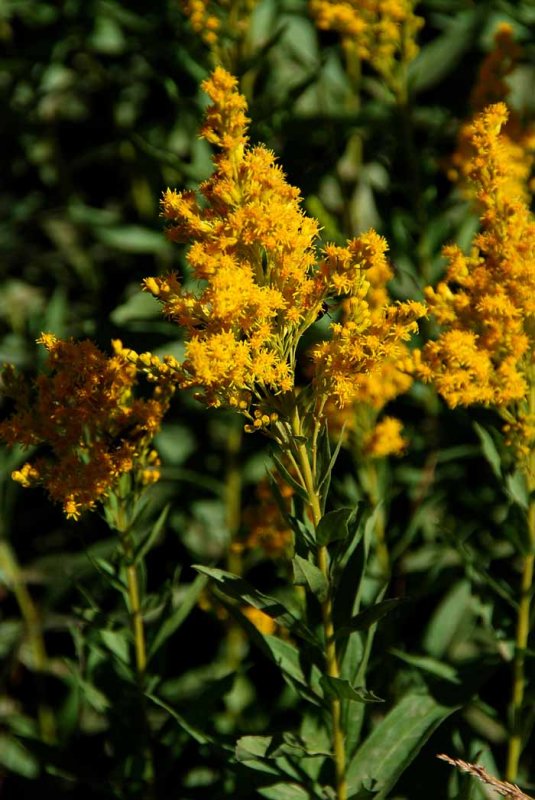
490, 451
368, 617
289, 479
281, 744
307, 574
153, 535
239, 589
333, 526
174, 617
341, 689
394, 743
325, 475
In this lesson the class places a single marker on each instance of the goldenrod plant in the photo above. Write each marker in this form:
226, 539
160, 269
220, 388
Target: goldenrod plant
266, 475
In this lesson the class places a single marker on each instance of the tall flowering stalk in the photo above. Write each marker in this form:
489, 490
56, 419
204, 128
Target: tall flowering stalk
93, 433
485, 352
258, 286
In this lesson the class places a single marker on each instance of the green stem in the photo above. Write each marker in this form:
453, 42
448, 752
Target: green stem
372, 486
34, 630
524, 611
233, 488
521, 643
331, 659
138, 629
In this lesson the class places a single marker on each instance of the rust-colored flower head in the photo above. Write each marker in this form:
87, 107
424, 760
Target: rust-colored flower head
87, 424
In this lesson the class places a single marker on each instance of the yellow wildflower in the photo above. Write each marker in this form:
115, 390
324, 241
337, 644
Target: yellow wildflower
517, 139
218, 21
259, 284
364, 348
385, 439
486, 304
381, 32
85, 412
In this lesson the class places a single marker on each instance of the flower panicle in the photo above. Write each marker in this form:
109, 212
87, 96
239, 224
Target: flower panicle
486, 304
381, 32
84, 408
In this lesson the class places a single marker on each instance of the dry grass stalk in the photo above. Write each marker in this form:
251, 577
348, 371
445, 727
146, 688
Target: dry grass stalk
504, 788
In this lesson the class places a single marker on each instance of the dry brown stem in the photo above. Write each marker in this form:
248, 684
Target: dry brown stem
504, 788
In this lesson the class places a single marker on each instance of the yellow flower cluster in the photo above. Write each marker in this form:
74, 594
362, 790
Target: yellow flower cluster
203, 20
212, 19
382, 32
365, 359
518, 138
486, 304
85, 416
387, 380
259, 284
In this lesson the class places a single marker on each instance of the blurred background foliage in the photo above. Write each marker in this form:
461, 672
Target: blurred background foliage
101, 107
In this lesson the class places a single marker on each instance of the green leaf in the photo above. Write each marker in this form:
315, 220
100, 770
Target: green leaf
239, 589
456, 606
394, 743
490, 450
436, 59
430, 665
517, 489
175, 617
289, 660
307, 574
117, 643
282, 744
133, 239
341, 689
325, 476
16, 758
348, 579
154, 533
200, 736
289, 479
140, 305
285, 791
368, 617
333, 526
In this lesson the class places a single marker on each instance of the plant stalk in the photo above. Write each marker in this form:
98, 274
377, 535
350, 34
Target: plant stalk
34, 630
331, 659
523, 619
521, 643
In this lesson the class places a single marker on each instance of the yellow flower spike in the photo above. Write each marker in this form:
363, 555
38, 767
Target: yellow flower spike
85, 410
486, 304
381, 32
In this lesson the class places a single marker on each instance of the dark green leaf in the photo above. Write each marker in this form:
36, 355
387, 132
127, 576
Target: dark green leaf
436, 59
394, 743
289, 479
517, 489
175, 617
285, 791
236, 587
333, 526
154, 533
16, 758
490, 450
368, 617
341, 689
307, 574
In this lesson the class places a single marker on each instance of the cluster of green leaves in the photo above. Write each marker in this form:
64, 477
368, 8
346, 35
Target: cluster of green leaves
101, 110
